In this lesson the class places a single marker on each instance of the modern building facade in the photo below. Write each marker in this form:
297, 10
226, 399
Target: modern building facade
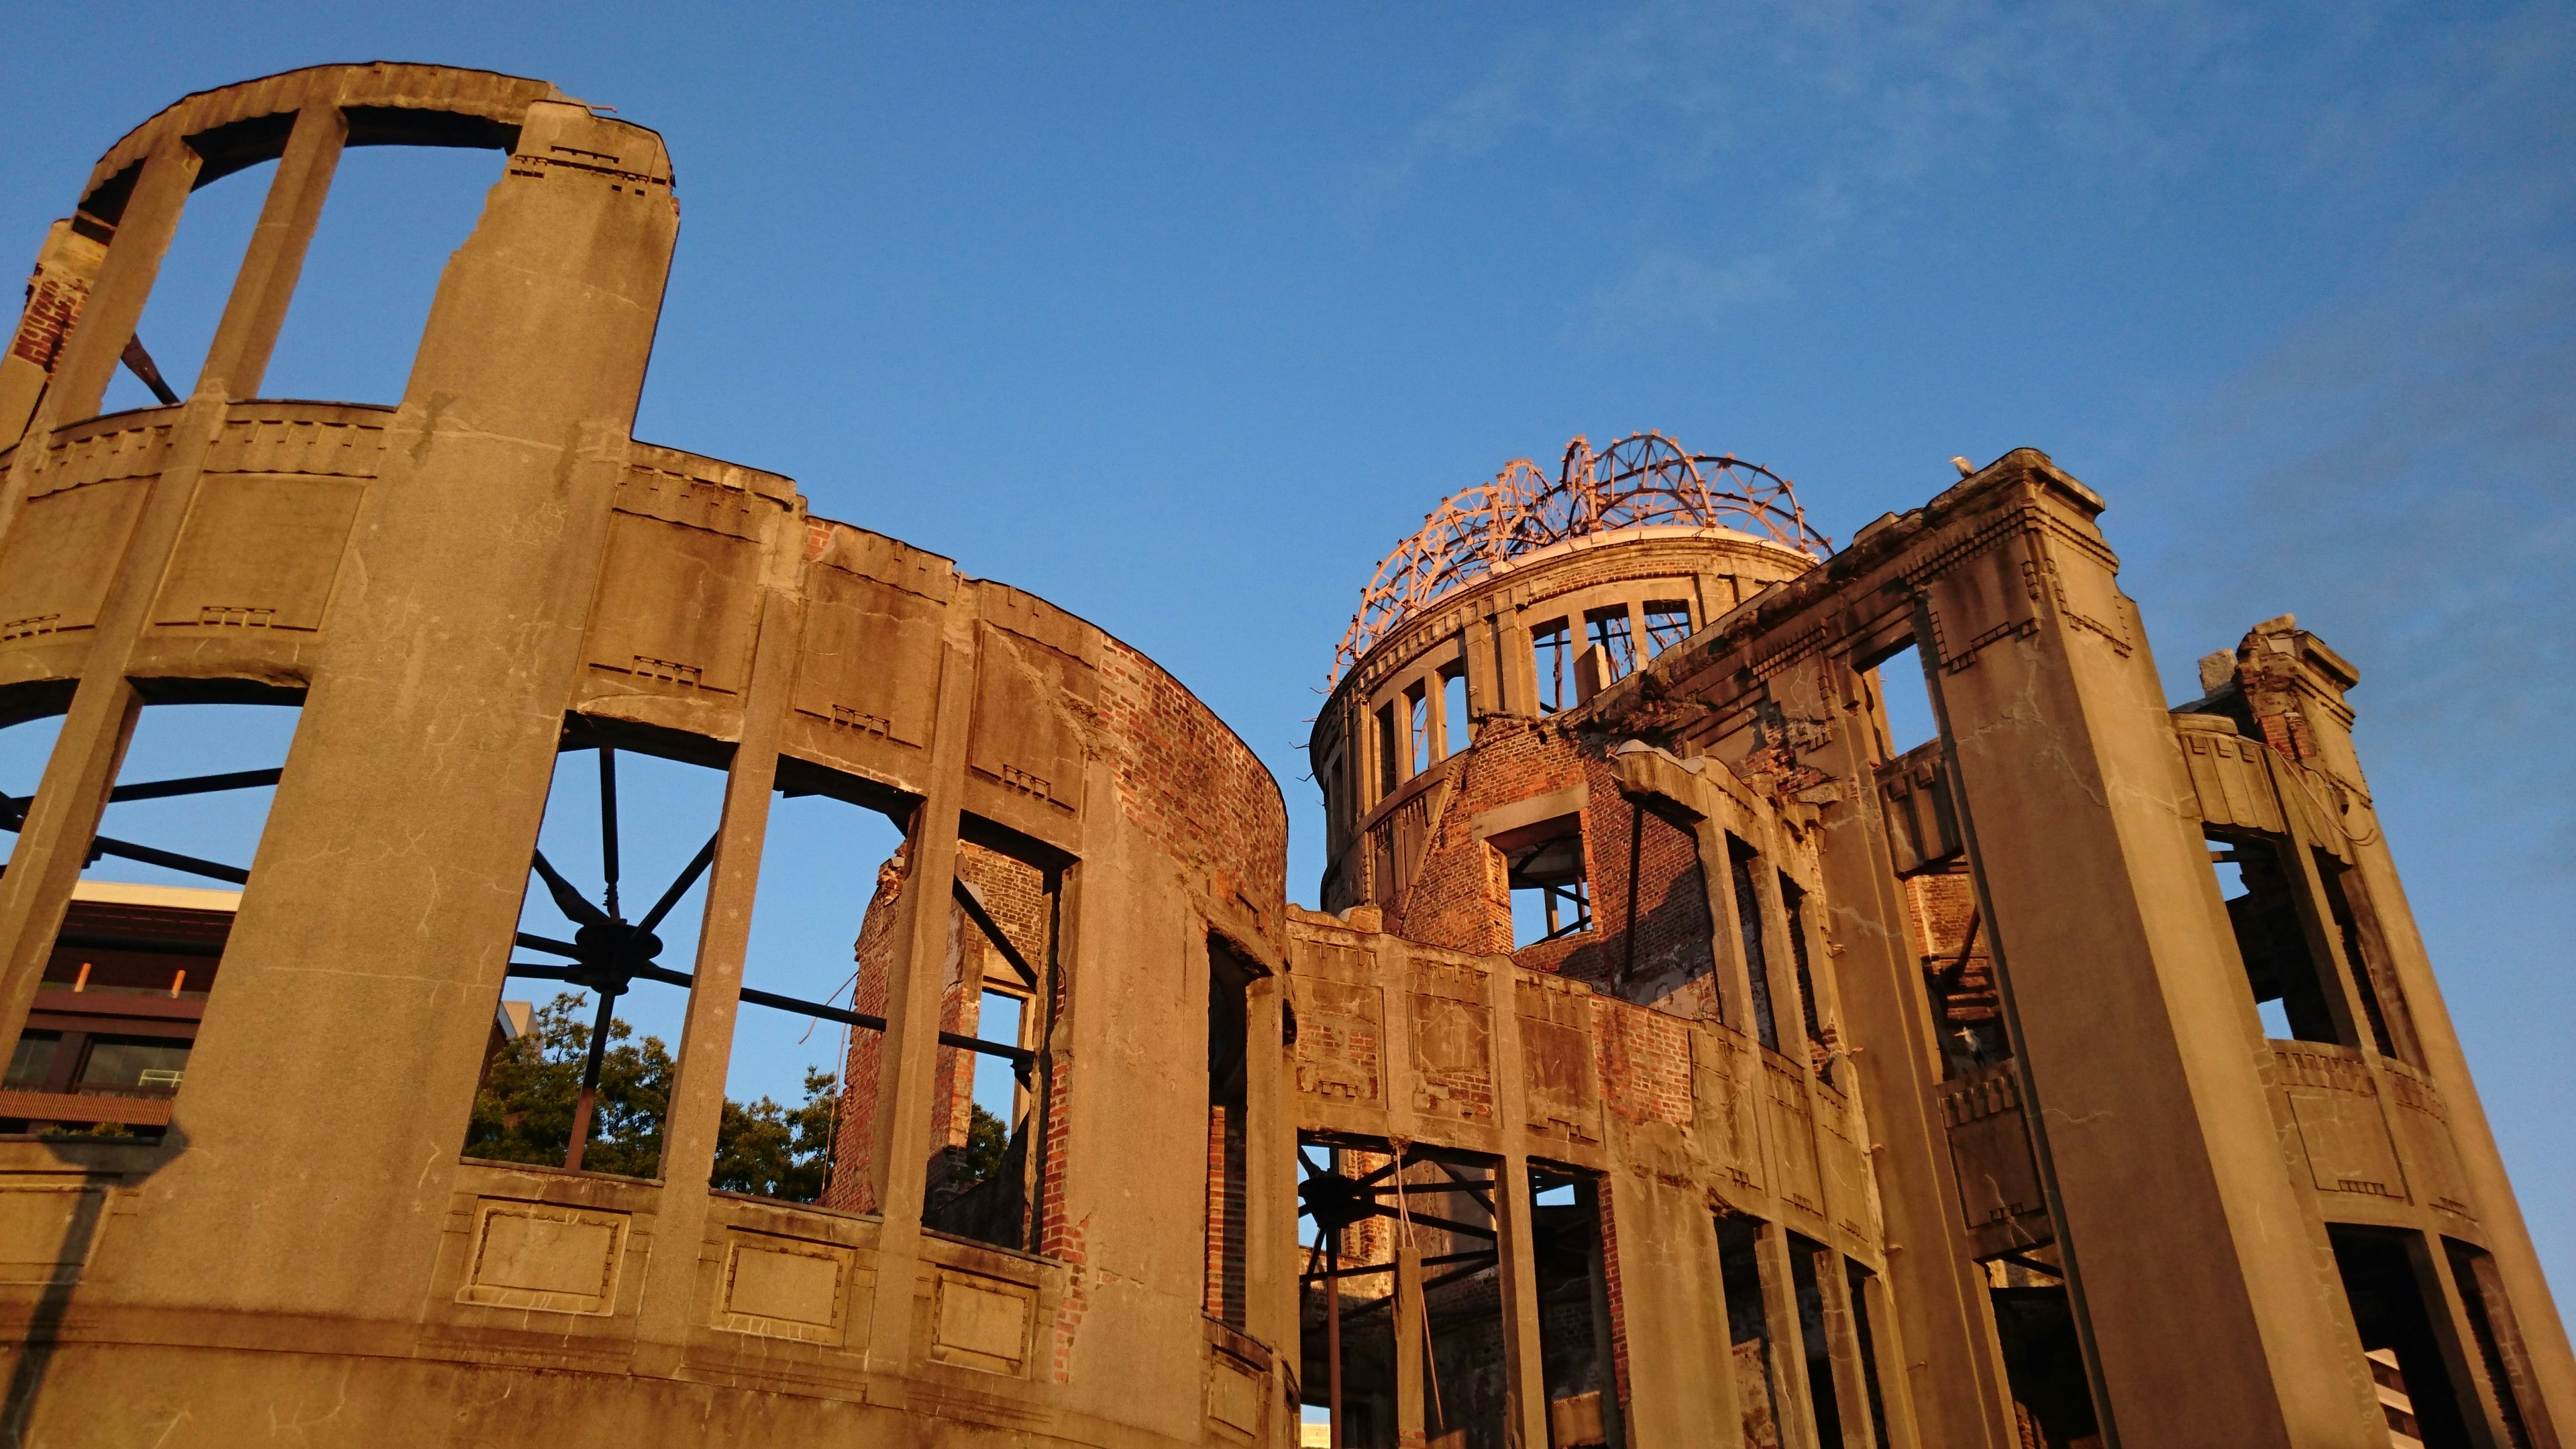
1677, 1059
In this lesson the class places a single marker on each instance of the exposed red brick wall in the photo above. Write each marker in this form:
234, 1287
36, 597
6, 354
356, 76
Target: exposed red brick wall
854, 1145
54, 303
1193, 787
1650, 938
1614, 1290
1015, 895
1642, 1058
1226, 1181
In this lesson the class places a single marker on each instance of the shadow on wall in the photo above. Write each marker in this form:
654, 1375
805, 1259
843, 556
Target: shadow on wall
81, 1220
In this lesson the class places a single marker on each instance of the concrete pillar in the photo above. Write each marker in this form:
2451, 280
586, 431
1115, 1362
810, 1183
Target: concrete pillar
696, 1109
455, 639
1271, 1257
237, 359
1842, 1338
1411, 1342
143, 232
1672, 1306
1948, 1371
2188, 1262
1789, 1393
2316, 681
1734, 972
1517, 1248
907, 1076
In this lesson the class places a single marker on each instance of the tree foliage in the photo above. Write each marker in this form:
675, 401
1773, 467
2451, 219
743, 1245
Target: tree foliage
524, 1111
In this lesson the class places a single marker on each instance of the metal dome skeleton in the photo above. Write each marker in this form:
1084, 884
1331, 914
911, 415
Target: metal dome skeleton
1644, 478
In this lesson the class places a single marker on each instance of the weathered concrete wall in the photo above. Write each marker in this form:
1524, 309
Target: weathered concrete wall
448, 586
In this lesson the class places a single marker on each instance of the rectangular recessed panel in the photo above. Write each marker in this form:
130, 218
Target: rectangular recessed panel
677, 605
981, 1323
259, 552
1023, 737
783, 1287
1234, 1396
2340, 1126
59, 555
1722, 1109
1337, 1040
870, 661
545, 1257
1795, 1134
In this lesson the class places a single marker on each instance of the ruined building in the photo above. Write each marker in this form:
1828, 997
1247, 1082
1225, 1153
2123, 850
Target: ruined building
1683, 1055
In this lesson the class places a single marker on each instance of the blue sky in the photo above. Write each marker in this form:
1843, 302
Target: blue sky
1182, 316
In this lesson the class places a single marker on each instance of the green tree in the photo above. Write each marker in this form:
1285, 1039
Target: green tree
781, 1152
523, 1113
986, 1141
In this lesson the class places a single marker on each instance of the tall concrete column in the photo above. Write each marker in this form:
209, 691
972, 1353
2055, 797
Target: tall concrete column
454, 641
1271, 1263
237, 359
143, 233
2313, 679
1790, 1396
1411, 1341
2188, 1261
696, 1110
1951, 1368
899, 1166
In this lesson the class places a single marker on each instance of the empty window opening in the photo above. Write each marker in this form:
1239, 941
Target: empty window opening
1417, 709
1748, 1326
1748, 918
1862, 1283
1345, 1289
1551, 896
2500, 1343
188, 294
1807, 1260
2365, 953
1400, 1290
2388, 1282
116, 1014
984, 1179
1820, 1046
1390, 757
2043, 1360
2289, 992
1575, 1351
1610, 634
1958, 971
1905, 700
192, 794
1229, 1018
822, 851
1552, 653
395, 216
1668, 622
25, 748
1457, 727
615, 894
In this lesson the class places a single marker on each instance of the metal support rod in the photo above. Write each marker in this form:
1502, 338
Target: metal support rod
589, 1099
1020, 1057
993, 932
1333, 1335
194, 785
608, 825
